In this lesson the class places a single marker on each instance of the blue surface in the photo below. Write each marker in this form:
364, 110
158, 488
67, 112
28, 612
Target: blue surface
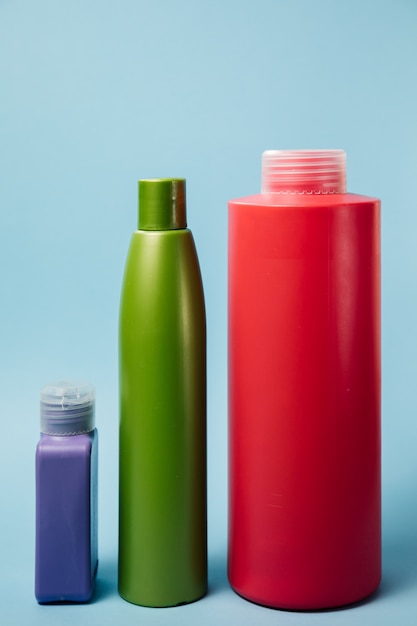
84, 113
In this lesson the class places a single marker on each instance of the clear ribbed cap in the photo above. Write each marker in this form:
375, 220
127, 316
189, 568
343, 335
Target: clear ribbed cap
67, 408
304, 171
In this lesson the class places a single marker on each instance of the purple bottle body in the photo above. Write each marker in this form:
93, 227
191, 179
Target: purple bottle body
66, 517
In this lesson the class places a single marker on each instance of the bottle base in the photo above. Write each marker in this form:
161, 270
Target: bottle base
76, 597
309, 607
161, 604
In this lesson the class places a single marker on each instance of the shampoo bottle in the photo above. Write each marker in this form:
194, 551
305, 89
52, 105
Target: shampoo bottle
66, 494
162, 364
304, 386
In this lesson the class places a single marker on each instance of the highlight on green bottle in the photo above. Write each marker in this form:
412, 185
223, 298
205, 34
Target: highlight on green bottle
162, 378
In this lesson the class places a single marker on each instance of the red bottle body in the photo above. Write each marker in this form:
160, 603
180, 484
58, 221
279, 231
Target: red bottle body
304, 399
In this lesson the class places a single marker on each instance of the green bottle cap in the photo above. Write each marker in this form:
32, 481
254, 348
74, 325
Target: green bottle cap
162, 204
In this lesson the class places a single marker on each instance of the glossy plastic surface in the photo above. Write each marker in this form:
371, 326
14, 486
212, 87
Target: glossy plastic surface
162, 532
304, 394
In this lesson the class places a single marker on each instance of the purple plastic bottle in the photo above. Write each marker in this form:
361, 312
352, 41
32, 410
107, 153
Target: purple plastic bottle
66, 494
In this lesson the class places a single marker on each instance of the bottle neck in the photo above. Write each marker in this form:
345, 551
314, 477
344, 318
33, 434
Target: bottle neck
304, 171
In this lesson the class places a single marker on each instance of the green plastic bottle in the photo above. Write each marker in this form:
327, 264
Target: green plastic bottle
162, 358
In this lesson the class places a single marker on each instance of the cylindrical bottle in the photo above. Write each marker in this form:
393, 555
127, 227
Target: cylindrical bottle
66, 494
162, 359
304, 386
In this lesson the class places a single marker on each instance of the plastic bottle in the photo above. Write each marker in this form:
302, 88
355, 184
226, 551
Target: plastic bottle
66, 494
162, 525
304, 386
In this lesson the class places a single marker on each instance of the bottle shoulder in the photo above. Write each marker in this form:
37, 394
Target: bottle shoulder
179, 233
54, 445
161, 240
286, 200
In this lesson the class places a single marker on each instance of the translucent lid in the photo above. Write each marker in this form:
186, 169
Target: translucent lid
304, 171
67, 408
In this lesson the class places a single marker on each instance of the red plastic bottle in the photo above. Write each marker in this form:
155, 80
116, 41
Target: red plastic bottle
304, 387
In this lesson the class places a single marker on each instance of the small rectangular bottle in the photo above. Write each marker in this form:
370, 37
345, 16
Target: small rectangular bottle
66, 494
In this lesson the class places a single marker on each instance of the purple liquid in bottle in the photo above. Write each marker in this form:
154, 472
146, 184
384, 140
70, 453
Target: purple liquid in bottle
66, 495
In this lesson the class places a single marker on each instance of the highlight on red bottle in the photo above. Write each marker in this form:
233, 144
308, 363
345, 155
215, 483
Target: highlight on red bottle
304, 171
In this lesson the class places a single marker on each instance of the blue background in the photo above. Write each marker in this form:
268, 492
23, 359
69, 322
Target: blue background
96, 94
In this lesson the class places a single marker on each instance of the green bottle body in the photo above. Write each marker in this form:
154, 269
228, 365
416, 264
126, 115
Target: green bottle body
162, 471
